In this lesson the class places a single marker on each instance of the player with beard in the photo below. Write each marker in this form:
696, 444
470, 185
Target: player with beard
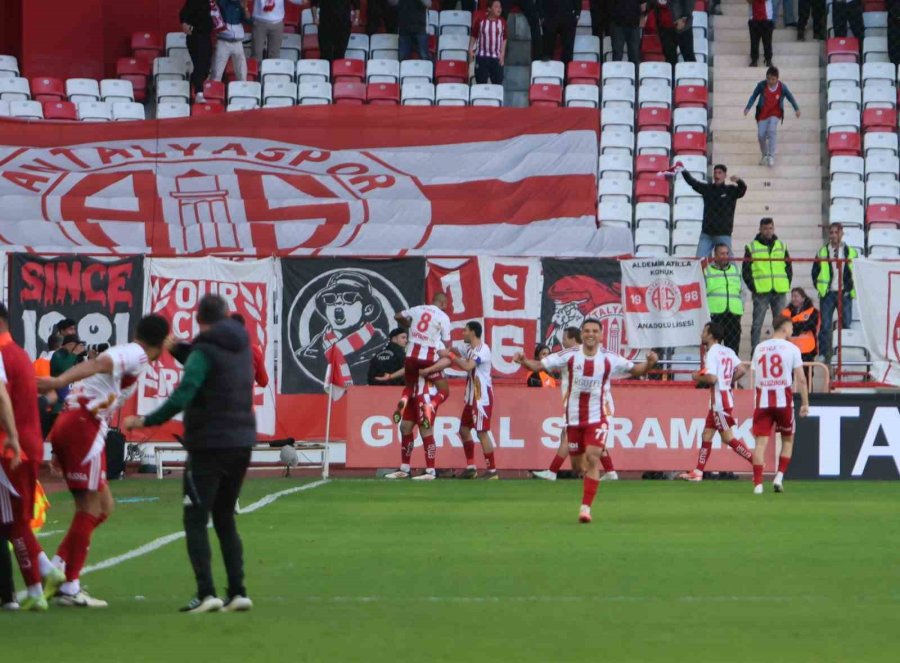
589, 370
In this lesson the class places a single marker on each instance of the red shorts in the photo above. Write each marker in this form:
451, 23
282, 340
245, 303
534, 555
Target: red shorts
721, 420
477, 417
22, 480
74, 437
589, 435
782, 418
412, 366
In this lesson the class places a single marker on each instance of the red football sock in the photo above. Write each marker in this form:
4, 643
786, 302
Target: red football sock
705, 451
430, 451
607, 463
102, 518
407, 442
741, 449
783, 462
469, 449
83, 525
757, 475
590, 491
557, 463
489, 460
442, 395
26, 552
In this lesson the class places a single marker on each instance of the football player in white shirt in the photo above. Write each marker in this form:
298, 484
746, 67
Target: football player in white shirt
721, 368
777, 366
429, 332
78, 437
590, 369
474, 357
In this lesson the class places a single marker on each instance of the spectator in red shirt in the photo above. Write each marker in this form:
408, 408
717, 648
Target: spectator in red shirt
769, 96
488, 46
259, 360
761, 24
673, 21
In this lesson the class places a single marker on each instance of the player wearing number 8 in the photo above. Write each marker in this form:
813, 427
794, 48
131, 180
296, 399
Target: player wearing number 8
777, 366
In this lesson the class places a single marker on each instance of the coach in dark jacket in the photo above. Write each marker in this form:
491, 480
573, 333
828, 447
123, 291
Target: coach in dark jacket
719, 202
625, 28
389, 360
216, 394
196, 22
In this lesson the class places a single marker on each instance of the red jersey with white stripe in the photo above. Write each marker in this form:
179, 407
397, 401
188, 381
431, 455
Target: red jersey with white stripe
428, 332
478, 380
774, 362
721, 362
490, 33
587, 382
104, 393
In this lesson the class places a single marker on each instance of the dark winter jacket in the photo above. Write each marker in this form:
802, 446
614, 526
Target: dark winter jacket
719, 201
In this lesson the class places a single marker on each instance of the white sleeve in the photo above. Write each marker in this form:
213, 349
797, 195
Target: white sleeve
556, 360
445, 329
798, 358
619, 365
484, 356
3, 377
709, 364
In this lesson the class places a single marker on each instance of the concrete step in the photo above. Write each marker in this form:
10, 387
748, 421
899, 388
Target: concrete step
519, 53
725, 101
739, 69
734, 121
791, 225
516, 78
515, 99
804, 137
783, 168
779, 49
744, 86
768, 196
804, 61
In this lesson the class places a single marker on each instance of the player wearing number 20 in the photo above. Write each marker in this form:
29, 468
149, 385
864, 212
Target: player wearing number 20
590, 369
777, 366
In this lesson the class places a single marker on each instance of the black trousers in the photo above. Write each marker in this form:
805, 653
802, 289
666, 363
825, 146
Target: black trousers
848, 12
563, 25
488, 70
7, 586
761, 30
600, 19
732, 326
334, 35
529, 9
212, 484
672, 41
817, 8
893, 36
378, 11
625, 38
200, 49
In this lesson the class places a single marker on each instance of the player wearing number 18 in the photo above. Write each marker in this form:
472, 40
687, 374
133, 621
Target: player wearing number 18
777, 366
589, 370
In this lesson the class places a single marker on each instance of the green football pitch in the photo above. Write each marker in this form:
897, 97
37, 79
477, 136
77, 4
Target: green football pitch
358, 570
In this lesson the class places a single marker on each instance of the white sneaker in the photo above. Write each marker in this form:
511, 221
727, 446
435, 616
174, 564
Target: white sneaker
584, 514
694, 476
238, 604
771, 161
12, 606
199, 98
80, 600
399, 474
778, 483
209, 604
764, 160
428, 476
547, 475
610, 476
758, 490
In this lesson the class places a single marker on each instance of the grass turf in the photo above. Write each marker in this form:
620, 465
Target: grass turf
454, 570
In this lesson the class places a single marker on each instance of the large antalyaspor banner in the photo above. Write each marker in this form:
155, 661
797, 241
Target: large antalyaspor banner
351, 181
878, 289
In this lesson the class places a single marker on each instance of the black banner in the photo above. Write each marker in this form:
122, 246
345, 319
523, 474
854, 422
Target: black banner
104, 298
329, 300
848, 436
578, 289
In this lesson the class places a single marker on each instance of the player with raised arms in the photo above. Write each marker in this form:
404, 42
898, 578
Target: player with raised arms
589, 370
777, 367
721, 368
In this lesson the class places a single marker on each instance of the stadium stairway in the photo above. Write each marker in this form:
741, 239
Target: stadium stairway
517, 73
792, 191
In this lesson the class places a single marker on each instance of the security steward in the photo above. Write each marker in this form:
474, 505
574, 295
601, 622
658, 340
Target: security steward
723, 295
767, 272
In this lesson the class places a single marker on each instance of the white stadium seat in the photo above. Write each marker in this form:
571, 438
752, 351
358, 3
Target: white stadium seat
242, 104
94, 111
451, 94
455, 23
848, 213
357, 47
651, 241
382, 71
654, 215
692, 73
453, 47
614, 213
486, 94
884, 242
26, 109
615, 164
615, 117
617, 96
878, 73
881, 142
687, 213
278, 102
841, 119
846, 168
417, 94
250, 91
690, 119
616, 141
114, 90
551, 71
880, 166
847, 191
15, 89
659, 72
416, 71
856, 238
842, 73
613, 71
176, 44
683, 192
272, 70
875, 23
307, 25
695, 164
614, 188
291, 46
582, 96
9, 66
4, 108
684, 239
875, 49
587, 47
173, 91
311, 71
127, 110
654, 142
654, 96
279, 90
883, 191
384, 47
844, 97
314, 93
169, 69
172, 109
879, 96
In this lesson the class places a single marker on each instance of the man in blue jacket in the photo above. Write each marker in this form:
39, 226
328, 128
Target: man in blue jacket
769, 96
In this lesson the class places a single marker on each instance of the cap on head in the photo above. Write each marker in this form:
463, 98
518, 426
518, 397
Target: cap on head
396, 331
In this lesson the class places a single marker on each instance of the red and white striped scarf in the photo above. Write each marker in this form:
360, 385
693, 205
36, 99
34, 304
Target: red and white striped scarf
347, 345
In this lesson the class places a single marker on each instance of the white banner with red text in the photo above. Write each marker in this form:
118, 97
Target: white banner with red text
664, 300
173, 288
878, 290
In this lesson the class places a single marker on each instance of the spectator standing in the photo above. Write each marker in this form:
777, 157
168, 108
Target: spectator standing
787, 7
389, 361
844, 12
833, 287
893, 31
412, 25
487, 46
260, 375
560, 20
673, 20
761, 24
378, 12
197, 25
817, 7
625, 18
719, 202
769, 96
529, 9
600, 18
806, 323
268, 27
335, 19
230, 41
723, 295
767, 271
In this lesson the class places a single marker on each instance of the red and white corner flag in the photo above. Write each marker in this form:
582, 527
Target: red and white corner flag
337, 373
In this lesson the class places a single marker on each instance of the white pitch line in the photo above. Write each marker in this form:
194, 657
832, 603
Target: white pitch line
44, 535
156, 544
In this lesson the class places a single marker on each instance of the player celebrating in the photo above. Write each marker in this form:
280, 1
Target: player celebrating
777, 365
410, 418
720, 369
589, 370
429, 332
78, 437
474, 357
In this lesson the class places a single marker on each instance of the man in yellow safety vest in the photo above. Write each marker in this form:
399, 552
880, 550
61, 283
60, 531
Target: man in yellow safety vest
723, 295
834, 284
767, 273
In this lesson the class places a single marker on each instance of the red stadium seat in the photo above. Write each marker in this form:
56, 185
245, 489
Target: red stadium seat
648, 166
383, 94
842, 49
207, 109
652, 190
883, 214
60, 110
451, 71
691, 96
138, 72
252, 70
292, 15
700, 6
545, 94
47, 89
651, 49
844, 144
581, 72
348, 71
879, 119
147, 45
309, 47
654, 119
214, 92
349, 92
689, 142
874, 5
